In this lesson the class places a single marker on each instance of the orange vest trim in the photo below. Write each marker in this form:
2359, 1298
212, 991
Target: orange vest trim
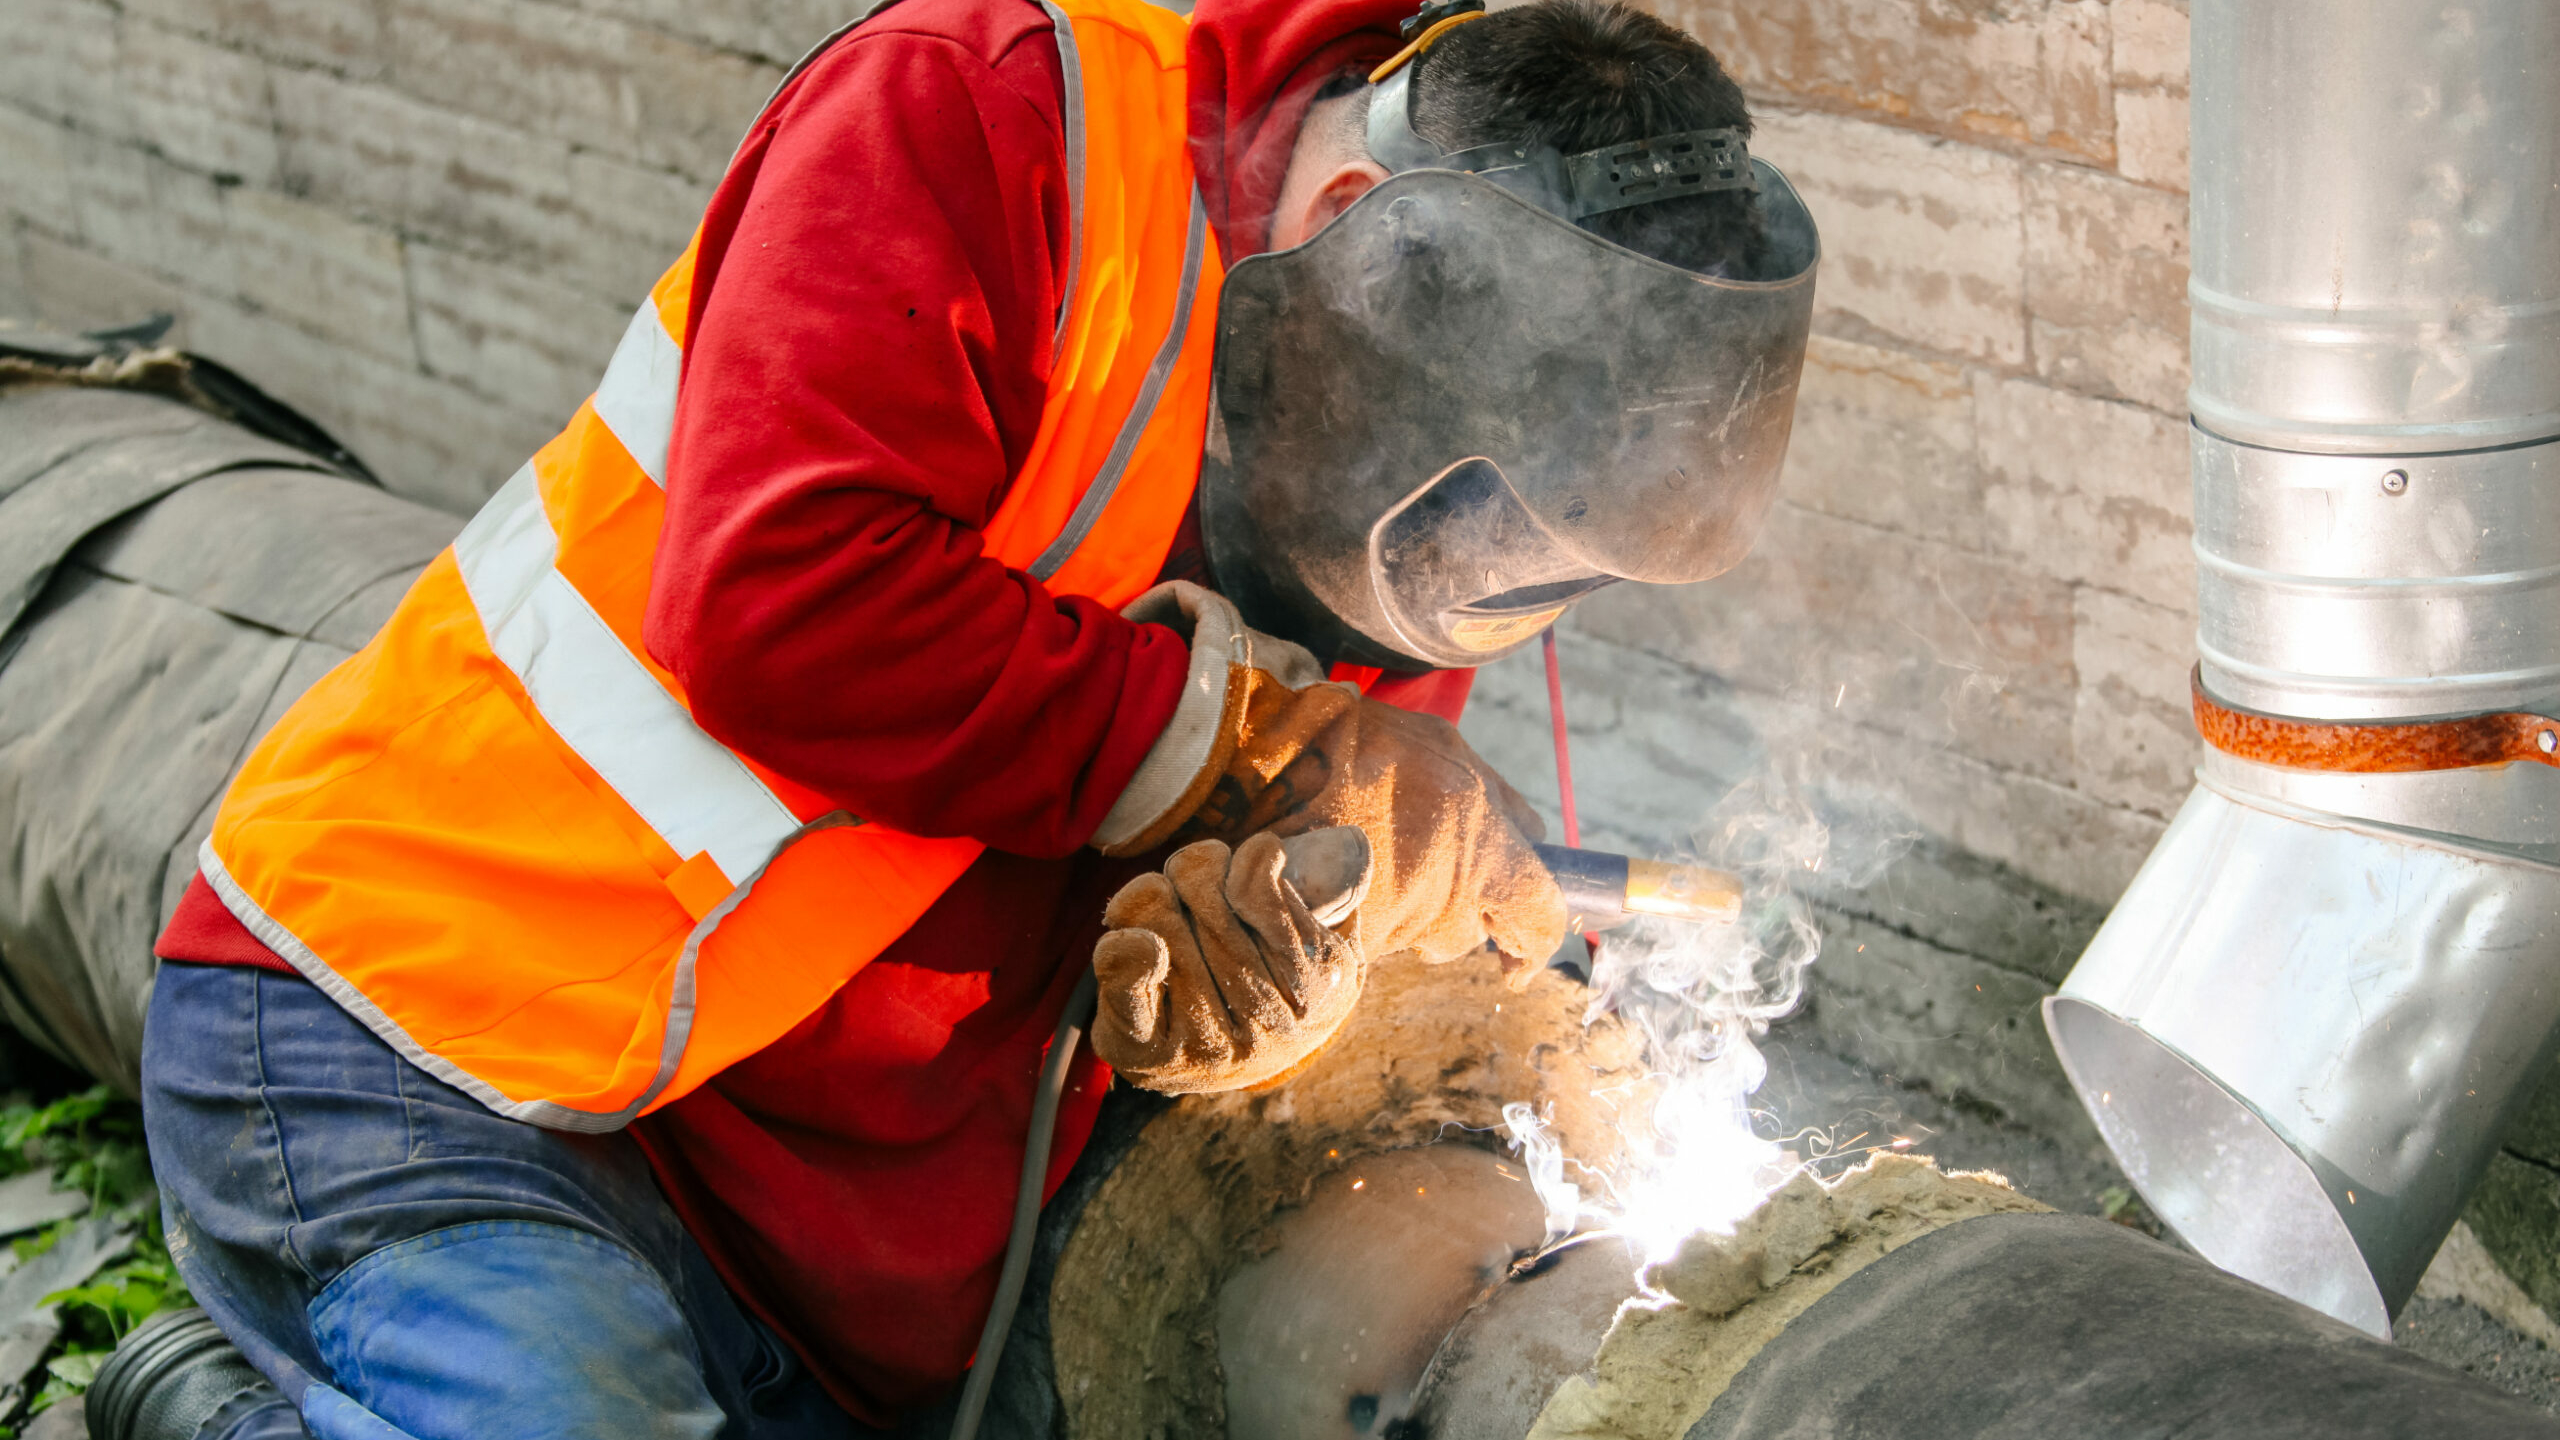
495, 834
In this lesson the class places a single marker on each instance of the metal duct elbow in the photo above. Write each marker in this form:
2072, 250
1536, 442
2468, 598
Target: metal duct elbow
2313, 1013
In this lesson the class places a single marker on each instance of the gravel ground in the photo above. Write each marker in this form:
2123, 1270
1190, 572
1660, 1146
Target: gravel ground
1810, 1087
2461, 1335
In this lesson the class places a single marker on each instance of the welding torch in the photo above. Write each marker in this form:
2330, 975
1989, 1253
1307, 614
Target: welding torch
1330, 869
1602, 890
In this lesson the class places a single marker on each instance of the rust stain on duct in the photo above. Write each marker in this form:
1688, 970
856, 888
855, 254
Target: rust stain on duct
2375, 747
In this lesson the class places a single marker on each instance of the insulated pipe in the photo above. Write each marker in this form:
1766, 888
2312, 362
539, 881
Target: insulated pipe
2311, 1016
2020, 1327
1396, 1310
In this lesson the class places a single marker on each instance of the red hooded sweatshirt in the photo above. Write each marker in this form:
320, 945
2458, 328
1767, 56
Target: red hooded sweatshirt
869, 349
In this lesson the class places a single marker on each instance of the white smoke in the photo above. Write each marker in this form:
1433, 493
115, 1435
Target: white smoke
1544, 1159
1700, 998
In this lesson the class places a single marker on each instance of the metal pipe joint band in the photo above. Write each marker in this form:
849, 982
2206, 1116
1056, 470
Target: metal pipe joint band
2378, 747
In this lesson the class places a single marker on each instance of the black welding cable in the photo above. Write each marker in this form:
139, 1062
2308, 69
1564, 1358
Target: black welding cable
1026, 1209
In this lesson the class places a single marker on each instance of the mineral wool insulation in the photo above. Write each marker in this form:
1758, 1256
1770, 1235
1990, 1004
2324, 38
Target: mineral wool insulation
1722, 1297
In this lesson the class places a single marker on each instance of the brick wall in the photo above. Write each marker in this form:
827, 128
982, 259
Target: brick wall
426, 221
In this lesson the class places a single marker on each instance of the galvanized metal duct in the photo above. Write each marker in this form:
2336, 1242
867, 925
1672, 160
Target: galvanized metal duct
2309, 1019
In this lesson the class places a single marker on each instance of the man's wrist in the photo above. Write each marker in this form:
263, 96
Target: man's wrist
1228, 663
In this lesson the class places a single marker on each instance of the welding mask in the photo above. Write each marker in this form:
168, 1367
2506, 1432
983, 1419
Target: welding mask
1453, 411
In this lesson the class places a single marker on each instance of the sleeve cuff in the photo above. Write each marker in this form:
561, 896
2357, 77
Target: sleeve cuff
1179, 769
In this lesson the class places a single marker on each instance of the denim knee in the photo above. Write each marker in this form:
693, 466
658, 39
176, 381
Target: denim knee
311, 1178
509, 1328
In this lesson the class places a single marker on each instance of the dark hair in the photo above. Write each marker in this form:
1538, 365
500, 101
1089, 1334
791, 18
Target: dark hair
1580, 74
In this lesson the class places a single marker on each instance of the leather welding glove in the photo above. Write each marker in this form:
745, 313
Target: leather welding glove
1260, 741
1452, 867
1229, 661
1216, 974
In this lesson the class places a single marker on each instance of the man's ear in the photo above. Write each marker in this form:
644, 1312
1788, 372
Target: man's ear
1308, 213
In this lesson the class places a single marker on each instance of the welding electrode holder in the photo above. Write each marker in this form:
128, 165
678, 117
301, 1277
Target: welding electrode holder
1602, 890
1330, 870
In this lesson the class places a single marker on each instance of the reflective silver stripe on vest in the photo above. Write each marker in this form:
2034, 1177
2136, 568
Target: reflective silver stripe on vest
354, 1001
636, 399
550, 1114
1071, 117
1107, 480
600, 700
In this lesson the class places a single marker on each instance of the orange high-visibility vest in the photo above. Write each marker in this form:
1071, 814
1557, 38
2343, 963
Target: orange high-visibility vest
496, 834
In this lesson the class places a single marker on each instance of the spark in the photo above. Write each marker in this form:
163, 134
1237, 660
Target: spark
1699, 998
1358, 1184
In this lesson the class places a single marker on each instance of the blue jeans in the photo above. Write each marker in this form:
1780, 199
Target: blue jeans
403, 1263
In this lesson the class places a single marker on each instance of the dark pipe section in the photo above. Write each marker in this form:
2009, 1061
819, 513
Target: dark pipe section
2026, 1327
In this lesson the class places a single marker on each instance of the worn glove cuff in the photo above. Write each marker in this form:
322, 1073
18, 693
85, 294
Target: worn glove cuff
1187, 758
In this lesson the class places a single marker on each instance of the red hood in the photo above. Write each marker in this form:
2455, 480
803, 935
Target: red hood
1255, 65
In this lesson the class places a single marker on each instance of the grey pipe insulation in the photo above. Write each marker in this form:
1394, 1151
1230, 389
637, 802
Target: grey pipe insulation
2022, 1327
2005, 1326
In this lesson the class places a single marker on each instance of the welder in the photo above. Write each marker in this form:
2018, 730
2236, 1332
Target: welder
1081, 449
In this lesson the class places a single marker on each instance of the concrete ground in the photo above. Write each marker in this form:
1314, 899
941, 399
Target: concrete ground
2450, 1322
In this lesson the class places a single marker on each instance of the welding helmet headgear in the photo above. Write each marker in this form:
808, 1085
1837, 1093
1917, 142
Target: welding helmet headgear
1453, 411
